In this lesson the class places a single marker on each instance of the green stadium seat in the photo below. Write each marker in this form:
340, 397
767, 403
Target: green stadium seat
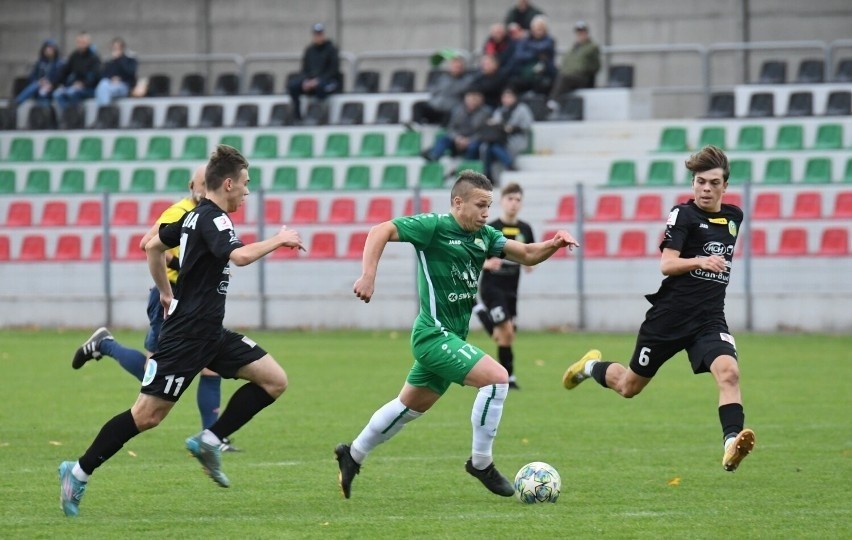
322, 178
714, 135
431, 176
408, 144
660, 173
778, 171
789, 137
256, 176
818, 171
91, 149
357, 177
159, 148
235, 141
336, 145
740, 171
73, 181
372, 145
55, 149
829, 137
21, 149
265, 147
285, 179
301, 146
473, 165
124, 149
394, 177
847, 175
673, 139
195, 148
108, 180
143, 181
621, 173
7, 181
750, 138
38, 181
177, 179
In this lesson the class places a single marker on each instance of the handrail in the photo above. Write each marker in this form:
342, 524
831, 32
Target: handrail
776, 45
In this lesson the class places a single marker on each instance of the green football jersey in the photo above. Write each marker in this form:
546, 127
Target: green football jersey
449, 262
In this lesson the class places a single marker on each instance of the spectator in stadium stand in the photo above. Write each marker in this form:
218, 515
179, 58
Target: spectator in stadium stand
507, 133
40, 84
523, 13
532, 66
466, 121
516, 33
118, 76
579, 65
320, 74
446, 93
498, 44
489, 80
77, 79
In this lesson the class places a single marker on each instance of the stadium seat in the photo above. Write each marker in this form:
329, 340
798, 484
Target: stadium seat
834, 242
177, 179
72, 181
159, 85
265, 147
156, 209
238, 216
20, 214
673, 139
593, 244
811, 71
566, 210
89, 213
355, 246
818, 171
54, 214
569, 108
234, 141
379, 210
41, 118
660, 173
801, 104
773, 72
351, 114
177, 117
408, 144
472, 165
141, 117
842, 205
7, 181
794, 242
38, 181
285, 178
767, 205
97, 251
336, 146
750, 138
366, 82
5, 248
107, 180
394, 177
227, 84
714, 135
342, 211
90, 149
256, 175
55, 149
649, 207
272, 211
68, 248
425, 206
283, 253
143, 181
305, 211
132, 252
107, 117
807, 205
740, 171
249, 238
829, 137
301, 146
126, 212
622, 173
683, 198
839, 103
431, 176
357, 177
281, 115
247, 115
124, 149
387, 112
733, 198
212, 116
33, 248
843, 73
620, 76
261, 83
159, 148
721, 105
609, 208
761, 105
21, 149
401, 81
632, 244
194, 148
323, 245
790, 137
778, 171
73, 117
757, 239
538, 105
317, 114
322, 178
372, 145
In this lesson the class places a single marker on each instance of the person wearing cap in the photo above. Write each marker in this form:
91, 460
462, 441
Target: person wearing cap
320, 74
579, 65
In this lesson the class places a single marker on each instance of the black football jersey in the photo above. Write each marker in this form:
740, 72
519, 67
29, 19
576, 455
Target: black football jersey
206, 238
696, 233
509, 274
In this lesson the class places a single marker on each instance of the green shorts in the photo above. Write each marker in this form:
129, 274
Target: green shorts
440, 358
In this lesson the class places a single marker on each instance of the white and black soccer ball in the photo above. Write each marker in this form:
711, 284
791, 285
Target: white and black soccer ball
537, 482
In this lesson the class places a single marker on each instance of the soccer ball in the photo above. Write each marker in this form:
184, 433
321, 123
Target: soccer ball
537, 482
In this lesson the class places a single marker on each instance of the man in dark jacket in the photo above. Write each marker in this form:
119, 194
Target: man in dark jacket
45, 70
523, 14
118, 76
489, 80
444, 94
532, 67
320, 75
77, 80
466, 121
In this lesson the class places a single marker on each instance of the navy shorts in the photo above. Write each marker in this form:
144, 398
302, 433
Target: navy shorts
502, 304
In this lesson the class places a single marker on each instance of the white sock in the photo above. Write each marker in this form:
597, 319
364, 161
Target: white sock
587, 369
79, 473
208, 437
485, 417
384, 424
729, 441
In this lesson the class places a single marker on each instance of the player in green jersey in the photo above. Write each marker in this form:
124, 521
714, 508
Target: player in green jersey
451, 249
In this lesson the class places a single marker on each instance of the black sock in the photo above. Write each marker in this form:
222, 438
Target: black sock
485, 319
120, 429
246, 402
507, 359
599, 372
732, 418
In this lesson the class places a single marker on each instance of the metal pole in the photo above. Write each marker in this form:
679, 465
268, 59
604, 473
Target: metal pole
747, 257
581, 269
106, 256
261, 271
746, 31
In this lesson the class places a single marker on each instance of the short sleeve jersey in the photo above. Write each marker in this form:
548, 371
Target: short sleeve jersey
206, 238
449, 261
170, 215
696, 233
509, 274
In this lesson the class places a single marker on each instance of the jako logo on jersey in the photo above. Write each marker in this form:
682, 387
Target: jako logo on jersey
150, 372
715, 248
454, 242
223, 223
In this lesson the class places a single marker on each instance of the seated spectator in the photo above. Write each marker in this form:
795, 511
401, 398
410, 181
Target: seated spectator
579, 65
466, 121
523, 13
532, 65
489, 80
118, 76
40, 84
77, 79
446, 93
516, 33
499, 44
507, 133
320, 74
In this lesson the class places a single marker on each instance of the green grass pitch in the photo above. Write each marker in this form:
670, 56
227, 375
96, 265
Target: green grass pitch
649, 467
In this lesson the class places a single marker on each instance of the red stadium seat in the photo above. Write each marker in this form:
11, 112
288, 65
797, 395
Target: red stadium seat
632, 244
355, 248
425, 206
68, 248
97, 252
20, 214
808, 205
794, 242
126, 213
379, 210
306, 211
733, 198
323, 246
5, 248
89, 213
649, 207
54, 214
593, 244
33, 248
156, 209
843, 205
560, 254
567, 209
684, 197
133, 252
834, 242
342, 210
284, 253
239, 216
248, 238
272, 213
609, 208
767, 206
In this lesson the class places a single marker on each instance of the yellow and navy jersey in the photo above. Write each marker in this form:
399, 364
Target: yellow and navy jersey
173, 214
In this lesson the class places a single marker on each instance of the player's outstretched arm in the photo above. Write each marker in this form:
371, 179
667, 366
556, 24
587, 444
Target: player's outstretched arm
377, 239
156, 252
532, 254
286, 238
672, 265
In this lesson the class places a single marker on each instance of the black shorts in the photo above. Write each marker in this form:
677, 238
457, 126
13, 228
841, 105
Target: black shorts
171, 370
502, 304
665, 333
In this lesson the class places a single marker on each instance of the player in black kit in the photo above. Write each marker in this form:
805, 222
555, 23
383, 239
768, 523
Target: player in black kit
687, 311
499, 285
192, 336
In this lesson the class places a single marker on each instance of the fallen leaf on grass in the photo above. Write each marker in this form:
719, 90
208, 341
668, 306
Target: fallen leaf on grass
674, 481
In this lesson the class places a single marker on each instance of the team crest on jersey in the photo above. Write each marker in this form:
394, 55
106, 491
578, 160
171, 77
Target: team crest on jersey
732, 228
479, 243
223, 223
150, 372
